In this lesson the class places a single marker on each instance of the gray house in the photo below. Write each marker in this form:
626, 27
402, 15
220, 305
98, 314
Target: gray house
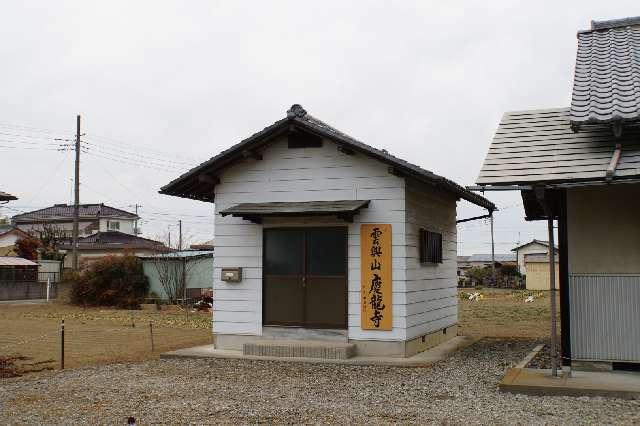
580, 166
320, 236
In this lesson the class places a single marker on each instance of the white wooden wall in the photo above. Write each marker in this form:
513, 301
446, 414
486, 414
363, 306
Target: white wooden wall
307, 174
431, 298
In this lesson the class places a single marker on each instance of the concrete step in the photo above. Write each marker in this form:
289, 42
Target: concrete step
300, 349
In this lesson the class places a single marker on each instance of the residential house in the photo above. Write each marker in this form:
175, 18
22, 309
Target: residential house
165, 270
92, 218
111, 243
538, 276
532, 247
9, 234
483, 260
320, 236
580, 166
206, 246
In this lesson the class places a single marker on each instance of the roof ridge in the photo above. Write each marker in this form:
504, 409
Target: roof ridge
614, 23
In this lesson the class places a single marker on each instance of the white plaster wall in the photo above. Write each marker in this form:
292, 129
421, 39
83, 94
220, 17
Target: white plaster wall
127, 226
603, 226
308, 174
431, 298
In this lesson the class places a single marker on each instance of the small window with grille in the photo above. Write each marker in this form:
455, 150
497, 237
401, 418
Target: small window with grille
430, 246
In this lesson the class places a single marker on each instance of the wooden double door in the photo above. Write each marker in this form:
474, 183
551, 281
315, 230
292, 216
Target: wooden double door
305, 277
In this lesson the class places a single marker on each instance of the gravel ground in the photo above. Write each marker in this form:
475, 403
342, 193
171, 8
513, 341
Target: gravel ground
459, 390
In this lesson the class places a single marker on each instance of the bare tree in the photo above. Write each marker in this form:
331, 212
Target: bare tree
173, 272
50, 236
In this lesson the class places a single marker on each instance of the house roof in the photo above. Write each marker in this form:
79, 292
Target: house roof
16, 261
113, 240
486, 257
198, 182
605, 86
7, 229
184, 254
7, 197
256, 211
59, 211
539, 146
534, 241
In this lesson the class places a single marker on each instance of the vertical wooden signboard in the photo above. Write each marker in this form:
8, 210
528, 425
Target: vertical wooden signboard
375, 267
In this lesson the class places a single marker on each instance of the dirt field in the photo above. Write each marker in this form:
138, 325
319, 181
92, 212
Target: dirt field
102, 336
503, 313
94, 336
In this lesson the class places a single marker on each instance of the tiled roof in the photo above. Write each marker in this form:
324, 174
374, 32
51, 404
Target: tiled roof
539, 147
7, 197
606, 87
113, 239
66, 211
487, 258
189, 186
534, 241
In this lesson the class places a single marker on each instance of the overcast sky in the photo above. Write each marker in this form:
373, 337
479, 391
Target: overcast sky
162, 86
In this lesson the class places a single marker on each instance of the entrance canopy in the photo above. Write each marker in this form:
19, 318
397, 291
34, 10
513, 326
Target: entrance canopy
255, 212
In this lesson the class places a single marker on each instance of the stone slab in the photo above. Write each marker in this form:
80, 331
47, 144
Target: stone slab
532, 381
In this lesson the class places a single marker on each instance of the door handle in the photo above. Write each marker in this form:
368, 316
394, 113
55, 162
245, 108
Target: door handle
304, 281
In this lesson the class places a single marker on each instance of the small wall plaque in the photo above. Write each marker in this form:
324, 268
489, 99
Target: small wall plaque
232, 275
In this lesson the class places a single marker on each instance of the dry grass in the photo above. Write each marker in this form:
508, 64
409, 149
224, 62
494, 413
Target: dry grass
503, 313
102, 336
94, 335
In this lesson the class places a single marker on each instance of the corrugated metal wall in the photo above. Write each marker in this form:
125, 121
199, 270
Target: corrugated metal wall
605, 317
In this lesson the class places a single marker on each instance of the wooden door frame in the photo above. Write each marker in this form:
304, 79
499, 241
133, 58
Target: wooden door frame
305, 274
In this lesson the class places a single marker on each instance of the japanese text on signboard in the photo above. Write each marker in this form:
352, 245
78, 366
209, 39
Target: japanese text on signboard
375, 290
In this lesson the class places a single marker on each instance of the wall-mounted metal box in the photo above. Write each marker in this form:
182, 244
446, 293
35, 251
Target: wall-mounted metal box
232, 275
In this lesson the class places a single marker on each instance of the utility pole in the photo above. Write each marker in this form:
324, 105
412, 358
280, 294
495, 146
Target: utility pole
136, 230
76, 201
493, 253
184, 269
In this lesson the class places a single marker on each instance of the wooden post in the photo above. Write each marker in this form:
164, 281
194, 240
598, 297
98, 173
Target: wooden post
151, 334
62, 345
552, 291
493, 253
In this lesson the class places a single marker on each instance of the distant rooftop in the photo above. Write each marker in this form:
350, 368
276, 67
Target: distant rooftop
486, 257
58, 211
7, 197
114, 239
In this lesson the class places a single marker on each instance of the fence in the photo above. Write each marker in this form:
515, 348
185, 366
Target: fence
27, 290
77, 343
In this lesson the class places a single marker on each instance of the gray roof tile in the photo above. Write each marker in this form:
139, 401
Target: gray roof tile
539, 146
606, 86
64, 210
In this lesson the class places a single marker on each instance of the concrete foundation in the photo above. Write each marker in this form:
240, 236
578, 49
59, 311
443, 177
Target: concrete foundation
375, 348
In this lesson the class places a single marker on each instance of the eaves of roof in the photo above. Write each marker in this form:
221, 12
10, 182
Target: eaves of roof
193, 183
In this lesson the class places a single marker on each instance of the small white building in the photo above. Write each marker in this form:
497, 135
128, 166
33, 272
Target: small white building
320, 236
532, 247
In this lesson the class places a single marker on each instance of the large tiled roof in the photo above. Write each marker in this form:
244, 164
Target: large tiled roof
606, 86
189, 186
539, 146
66, 211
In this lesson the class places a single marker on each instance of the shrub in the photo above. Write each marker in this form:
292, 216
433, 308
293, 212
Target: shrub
110, 281
27, 248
